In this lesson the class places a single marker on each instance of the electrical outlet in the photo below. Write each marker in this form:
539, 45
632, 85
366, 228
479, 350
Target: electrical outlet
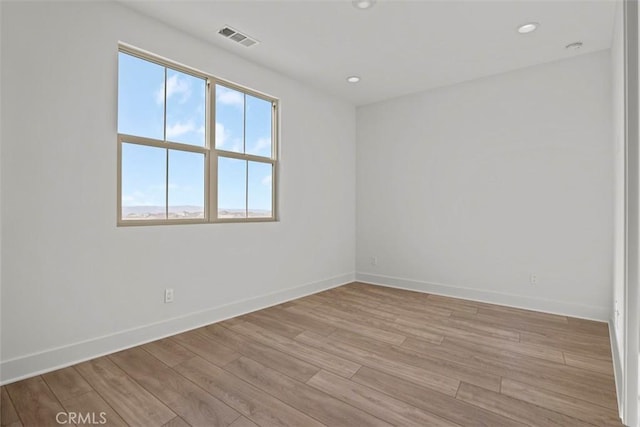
168, 295
533, 279
374, 260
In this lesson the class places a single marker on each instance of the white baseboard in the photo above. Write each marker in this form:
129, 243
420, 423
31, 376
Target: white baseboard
61, 357
617, 365
601, 314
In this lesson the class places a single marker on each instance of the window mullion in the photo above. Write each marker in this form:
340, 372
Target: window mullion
246, 190
244, 151
166, 184
164, 133
164, 118
213, 155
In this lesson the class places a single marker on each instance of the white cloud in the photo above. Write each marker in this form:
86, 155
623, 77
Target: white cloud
175, 86
221, 135
138, 198
267, 180
179, 129
260, 145
229, 97
225, 141
182, 188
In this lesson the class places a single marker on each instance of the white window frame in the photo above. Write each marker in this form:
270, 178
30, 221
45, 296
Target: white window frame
210, 152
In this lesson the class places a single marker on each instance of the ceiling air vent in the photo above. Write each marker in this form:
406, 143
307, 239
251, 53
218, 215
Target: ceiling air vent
237, 37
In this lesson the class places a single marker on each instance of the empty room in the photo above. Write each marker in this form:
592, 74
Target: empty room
319, 213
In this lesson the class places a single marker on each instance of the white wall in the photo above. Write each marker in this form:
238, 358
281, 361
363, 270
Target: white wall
69, 274
0, 182
618, 108
467, 190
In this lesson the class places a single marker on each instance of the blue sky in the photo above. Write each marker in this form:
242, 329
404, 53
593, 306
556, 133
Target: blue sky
141, 105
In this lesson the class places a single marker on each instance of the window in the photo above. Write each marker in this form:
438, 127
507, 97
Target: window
191, 148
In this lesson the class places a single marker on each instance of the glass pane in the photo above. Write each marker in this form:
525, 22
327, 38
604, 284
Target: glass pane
186, 108
260, 185
229, 119
140, 97
258, 127
143, 182
232, 178
186, 185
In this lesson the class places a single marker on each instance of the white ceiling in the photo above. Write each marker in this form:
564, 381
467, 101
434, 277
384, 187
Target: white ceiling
397, 47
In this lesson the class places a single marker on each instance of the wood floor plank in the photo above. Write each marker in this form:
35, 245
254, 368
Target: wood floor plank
176, 422
232, 321
490, 330
383, 302
425, 360
515, 323
253, 403
515, 409
374, 402
558, 402
281, 315
168, 351
593, 388
184, 398
588, 345
283, 328
340, 322
330, 362
418, 318
472, 342
420, 376
34, 402
520, 314
476, 333
66, 383
8, 414
304, 303
205, 348
410, 300
243, 422
589, 363
505, 363
353, 307
347, 294
321, 406
364, 319
591, 327
268, 356
439, 404
134, 404
454, 303
91, 404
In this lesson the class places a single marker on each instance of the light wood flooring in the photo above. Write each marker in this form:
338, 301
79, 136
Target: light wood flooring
358, 355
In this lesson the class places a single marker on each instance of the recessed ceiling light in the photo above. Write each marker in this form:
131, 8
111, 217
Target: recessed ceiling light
574, 46
363, 4
353, 79
529, 27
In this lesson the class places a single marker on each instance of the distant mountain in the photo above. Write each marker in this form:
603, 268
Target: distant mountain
154, 210
187, 211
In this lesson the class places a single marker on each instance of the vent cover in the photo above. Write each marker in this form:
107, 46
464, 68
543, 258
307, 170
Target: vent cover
238, 37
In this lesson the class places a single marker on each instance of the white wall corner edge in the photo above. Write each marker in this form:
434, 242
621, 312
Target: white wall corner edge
601, 314
30, 365
617, 365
